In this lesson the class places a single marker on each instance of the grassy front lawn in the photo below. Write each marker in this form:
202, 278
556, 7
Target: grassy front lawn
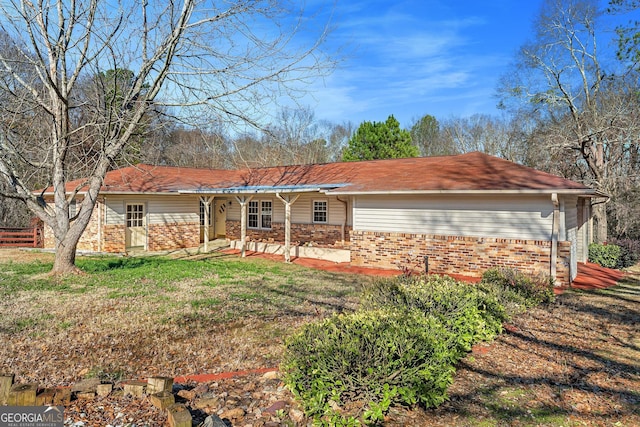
573, 363
143, 316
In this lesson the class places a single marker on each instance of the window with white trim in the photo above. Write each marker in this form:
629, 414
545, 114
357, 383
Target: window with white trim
135, 215
320, 211
265, 214
202, 209
259, 214
252, 214
73, 208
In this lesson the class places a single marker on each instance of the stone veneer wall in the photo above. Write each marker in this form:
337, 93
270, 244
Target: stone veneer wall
321, 234
456, 254
89, 239
162, 237
48, 240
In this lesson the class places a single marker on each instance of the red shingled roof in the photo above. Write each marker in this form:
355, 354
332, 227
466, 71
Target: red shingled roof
460, 173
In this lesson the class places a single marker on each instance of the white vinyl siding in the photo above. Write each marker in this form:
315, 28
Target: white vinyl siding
571, 227
584, 207
506, 216
160, 209
301, 210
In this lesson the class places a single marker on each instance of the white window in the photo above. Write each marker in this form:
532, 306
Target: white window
259, 214
135, 215
73, 209
320, 211
265, 215
252, 214
202, 213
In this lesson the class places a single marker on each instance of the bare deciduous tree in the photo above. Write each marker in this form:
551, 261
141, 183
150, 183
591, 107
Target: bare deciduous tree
587, 114
204, 60
496, 136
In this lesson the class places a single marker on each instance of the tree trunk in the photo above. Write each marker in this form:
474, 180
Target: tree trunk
600, 219
65, 260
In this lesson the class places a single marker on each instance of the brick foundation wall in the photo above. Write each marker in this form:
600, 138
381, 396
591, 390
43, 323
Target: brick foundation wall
456, 255
113, 238
321, 234
162, 237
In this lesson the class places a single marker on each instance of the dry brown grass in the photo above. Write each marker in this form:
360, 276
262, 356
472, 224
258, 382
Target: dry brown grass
142, 320
573, 363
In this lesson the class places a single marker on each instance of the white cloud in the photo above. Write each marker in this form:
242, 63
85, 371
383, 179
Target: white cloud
411, 58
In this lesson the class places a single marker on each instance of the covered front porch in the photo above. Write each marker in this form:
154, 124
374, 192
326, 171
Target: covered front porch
290, 221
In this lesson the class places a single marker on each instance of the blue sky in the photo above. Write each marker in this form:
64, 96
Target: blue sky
415, 57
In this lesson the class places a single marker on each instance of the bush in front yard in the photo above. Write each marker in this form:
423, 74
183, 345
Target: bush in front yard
357, 365
470, 314
519, 288
629, 252
605, 255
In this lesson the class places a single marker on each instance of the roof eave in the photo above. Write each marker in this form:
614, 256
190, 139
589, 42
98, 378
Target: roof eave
256, 191
587, 192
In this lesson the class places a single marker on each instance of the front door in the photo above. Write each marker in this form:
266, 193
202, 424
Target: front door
220, 223
136, 232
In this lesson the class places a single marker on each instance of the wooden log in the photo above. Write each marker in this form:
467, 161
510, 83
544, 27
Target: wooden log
179, 416
158, 384
104, 390
86, 386
62, 397
45, 397
6, 381
162, 399
135, 388
22, 395
86, 395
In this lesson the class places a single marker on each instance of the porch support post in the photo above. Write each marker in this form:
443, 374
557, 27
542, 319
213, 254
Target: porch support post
206, 201
288, 200
554, 235
243, 200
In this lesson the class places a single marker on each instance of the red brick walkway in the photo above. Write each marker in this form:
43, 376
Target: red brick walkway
342, 267
590, 276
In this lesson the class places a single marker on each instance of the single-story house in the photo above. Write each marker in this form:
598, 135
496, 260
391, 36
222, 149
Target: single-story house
460, 214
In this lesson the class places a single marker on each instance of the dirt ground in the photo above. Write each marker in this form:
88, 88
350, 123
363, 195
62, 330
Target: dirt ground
24, 255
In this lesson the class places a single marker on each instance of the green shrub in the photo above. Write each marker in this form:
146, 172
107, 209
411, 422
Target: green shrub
359, 364
471, 315
629, 252
605, 255
508, 299
402, 345
520, 288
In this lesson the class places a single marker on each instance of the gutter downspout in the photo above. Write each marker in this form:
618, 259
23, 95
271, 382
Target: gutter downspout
346, 214
554, 235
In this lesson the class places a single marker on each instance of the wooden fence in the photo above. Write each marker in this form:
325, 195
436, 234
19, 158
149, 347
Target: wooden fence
21, 237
